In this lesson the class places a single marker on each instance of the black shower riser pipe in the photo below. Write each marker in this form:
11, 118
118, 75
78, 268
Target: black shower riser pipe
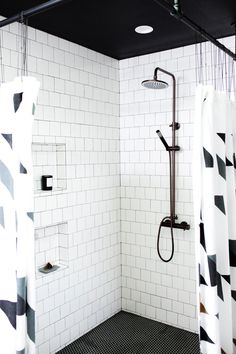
192, 25
32, 12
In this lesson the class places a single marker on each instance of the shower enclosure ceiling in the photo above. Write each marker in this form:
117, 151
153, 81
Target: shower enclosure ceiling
108, 26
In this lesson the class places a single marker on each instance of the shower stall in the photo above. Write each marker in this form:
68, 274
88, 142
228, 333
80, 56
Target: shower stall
116, 268
133, 330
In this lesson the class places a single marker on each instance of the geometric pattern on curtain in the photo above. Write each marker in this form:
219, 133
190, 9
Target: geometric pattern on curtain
17, 271
215, 173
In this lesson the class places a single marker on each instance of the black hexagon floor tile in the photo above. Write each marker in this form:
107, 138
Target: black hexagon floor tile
126, 333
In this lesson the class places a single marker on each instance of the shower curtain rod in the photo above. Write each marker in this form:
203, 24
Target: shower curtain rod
31, 12
174, 10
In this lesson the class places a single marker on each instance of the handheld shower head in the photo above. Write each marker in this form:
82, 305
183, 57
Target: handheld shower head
162, 139
164, 142
155, 84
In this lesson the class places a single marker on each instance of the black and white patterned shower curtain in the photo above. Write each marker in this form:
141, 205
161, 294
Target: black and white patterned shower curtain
17, 272
215, 214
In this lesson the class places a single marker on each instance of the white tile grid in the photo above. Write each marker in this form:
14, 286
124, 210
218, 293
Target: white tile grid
78, 106
151, 288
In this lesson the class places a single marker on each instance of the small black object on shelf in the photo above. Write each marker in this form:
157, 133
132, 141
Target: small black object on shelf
47, 182
48, 266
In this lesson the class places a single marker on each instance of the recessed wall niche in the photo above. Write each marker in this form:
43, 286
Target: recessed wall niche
49, 159
51, 245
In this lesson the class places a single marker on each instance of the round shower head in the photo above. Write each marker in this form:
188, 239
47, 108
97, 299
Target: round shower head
155, 84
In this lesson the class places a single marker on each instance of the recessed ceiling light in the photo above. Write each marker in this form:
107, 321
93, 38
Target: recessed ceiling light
143, 29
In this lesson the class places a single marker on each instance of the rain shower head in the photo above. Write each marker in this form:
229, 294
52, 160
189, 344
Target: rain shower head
155, 84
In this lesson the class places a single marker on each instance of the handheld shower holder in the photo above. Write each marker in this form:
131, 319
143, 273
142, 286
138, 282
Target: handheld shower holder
164, 142
173, 148
177, 125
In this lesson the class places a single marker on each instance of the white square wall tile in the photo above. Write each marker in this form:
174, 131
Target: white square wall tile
96, 107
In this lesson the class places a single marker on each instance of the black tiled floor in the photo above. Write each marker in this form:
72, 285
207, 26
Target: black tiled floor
126, 333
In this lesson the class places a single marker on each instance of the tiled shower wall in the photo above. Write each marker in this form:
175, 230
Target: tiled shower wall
78, 107
161, 291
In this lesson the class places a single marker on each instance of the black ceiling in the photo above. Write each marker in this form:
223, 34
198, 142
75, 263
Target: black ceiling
107, 26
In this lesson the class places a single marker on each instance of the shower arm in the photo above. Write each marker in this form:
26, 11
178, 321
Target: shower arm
174, 125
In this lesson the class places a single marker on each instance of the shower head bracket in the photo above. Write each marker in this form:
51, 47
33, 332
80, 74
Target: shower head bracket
173, 148
177, 126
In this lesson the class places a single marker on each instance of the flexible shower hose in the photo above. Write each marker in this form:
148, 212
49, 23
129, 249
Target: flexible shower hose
171, 218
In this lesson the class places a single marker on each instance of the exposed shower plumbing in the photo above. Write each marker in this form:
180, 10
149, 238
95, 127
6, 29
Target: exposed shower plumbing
168, 221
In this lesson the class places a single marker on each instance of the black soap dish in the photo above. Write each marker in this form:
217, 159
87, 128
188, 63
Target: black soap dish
48, 268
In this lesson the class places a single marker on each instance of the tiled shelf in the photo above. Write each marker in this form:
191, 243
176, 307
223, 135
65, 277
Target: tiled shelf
52, 246
49, 159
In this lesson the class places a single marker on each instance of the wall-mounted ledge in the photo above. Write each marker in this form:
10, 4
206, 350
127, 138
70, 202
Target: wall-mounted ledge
47, 270
55, 191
